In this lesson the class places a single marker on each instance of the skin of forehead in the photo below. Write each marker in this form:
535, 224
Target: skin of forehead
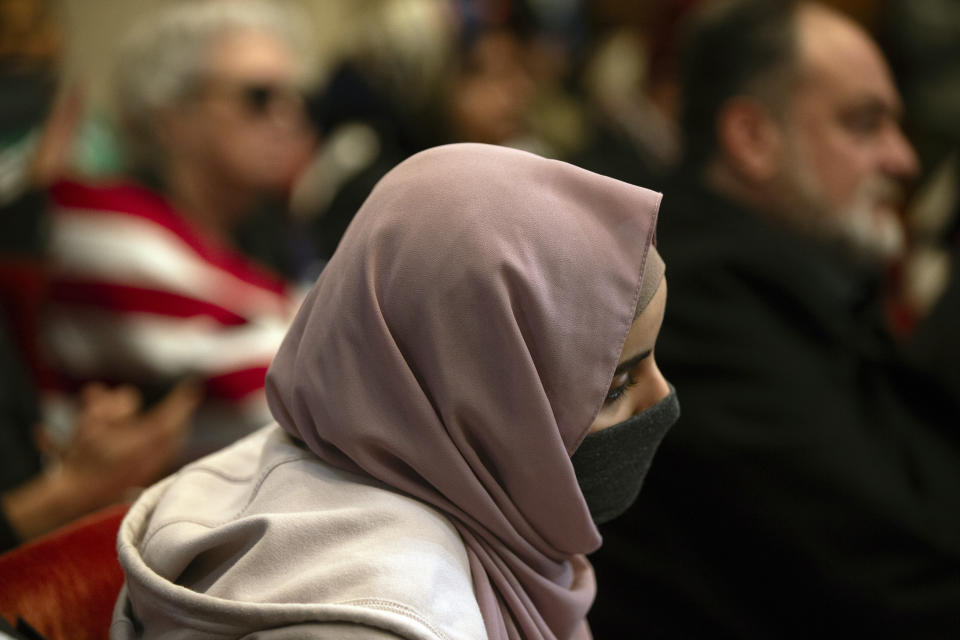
245, 52
650, 386
834, 49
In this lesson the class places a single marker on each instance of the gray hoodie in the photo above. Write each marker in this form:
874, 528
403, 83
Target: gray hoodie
263, 540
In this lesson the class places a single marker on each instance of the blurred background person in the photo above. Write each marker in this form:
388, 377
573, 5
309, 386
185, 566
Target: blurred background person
148, 286
812, 485
114, 446
425, 72
629, 85
924, 40
380, 105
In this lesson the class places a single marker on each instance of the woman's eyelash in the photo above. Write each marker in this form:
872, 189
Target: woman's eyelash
615, 394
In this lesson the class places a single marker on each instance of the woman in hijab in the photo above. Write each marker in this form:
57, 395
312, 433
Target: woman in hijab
468, 389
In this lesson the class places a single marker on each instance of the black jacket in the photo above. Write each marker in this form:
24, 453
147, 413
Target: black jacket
812, 484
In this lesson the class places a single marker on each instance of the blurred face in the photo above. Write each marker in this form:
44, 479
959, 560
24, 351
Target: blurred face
637, 382
491, 98
846, 159
246, 126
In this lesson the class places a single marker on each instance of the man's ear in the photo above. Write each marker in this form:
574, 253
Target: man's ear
750, 139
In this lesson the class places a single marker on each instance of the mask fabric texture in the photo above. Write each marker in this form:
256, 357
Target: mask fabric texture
611, 464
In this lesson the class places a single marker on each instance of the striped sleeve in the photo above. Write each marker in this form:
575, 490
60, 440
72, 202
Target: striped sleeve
137, 295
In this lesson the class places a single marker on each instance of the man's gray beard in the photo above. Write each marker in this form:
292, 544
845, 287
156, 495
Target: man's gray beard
868, 229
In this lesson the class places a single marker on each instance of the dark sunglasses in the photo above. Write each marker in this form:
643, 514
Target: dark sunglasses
260, 98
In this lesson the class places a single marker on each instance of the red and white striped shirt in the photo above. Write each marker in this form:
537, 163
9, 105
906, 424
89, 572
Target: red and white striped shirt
140, 295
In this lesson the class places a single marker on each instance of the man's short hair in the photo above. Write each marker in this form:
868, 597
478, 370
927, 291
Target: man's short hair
733, 47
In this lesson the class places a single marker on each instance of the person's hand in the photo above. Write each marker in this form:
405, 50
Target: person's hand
115, 447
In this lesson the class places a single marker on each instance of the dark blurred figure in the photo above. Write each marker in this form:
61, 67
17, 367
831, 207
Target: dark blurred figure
113, 445
812, 485
149, 287
937, 344
423, 73
630, 81
924, 38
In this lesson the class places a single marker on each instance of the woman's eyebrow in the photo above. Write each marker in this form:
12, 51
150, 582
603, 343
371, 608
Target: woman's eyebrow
632, 362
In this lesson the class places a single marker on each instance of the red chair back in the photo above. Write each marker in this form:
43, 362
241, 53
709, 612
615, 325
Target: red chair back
65, 584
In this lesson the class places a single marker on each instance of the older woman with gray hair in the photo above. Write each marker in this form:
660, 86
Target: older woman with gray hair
223, 77
148, 286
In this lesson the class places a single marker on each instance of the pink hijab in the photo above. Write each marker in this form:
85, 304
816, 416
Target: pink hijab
458, 346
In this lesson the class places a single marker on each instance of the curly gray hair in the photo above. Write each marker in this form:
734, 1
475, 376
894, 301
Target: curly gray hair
161, 59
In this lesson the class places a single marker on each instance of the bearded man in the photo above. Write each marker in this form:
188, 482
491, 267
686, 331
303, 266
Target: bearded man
812, 485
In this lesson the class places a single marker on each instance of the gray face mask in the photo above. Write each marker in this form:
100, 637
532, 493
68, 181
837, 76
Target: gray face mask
612, 463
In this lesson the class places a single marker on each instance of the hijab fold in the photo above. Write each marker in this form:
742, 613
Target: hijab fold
458, 346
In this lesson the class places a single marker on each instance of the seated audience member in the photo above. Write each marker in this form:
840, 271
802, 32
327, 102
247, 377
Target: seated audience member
812, 487
630, 84
937, 344
928, 70
419, 75
147, 288
114, 446
469, 387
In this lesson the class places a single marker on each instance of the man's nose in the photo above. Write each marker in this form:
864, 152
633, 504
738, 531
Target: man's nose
899, 158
